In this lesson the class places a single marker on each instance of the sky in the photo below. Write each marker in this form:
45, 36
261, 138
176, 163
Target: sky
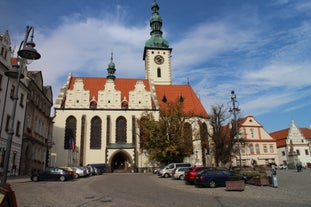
261, 49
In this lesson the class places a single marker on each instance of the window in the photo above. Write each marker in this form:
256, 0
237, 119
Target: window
18, 126
12, 92
265, 149
187, 132
271, 148
283, 153
257, 148
95, 142
21, 102
159, 72
298, 152
108, 130
7, 124
252, 132
121, 130
307, 152
134, 130
251, 148
70, 133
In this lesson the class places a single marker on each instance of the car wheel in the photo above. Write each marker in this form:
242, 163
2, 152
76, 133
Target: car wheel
212, 184
181, 177
35, 178
166, 175
62, 178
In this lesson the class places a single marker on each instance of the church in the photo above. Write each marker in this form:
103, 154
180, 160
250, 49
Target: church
96, 117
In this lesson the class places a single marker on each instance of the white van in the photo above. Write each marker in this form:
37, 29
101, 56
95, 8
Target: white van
168, 169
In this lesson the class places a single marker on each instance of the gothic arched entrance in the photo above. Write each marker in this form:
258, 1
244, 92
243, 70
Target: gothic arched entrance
121, 162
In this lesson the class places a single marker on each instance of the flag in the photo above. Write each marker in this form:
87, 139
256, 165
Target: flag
72, 144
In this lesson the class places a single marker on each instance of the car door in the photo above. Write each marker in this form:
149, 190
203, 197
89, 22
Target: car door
220, 177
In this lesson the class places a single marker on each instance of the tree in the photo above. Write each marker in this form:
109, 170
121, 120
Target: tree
169, 139
223, 135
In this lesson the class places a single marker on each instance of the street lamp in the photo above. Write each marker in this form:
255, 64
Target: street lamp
235, 109
26, 52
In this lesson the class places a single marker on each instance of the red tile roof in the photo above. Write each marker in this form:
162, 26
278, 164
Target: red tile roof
306, 132
192, 104
125, 85
281, 136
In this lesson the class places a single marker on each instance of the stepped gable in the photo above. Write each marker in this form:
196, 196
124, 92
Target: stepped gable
93, 84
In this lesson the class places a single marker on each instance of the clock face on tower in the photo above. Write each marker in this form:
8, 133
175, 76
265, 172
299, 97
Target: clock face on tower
158, 59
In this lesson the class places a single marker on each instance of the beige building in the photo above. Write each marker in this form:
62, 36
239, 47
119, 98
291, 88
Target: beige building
96, 117
259, 148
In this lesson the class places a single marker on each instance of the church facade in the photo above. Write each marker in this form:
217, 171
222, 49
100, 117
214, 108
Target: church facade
96, 117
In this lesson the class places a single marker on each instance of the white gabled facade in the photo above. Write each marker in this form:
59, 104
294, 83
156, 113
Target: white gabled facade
259, 148
296, 139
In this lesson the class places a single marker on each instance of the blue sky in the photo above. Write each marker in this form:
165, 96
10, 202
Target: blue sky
259, 48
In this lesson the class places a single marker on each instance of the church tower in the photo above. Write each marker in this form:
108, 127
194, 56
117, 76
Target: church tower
157, 54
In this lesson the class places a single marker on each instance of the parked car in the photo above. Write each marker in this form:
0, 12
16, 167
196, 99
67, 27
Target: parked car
100, 168
282, 166
192, 172
179, 173
215, 177
80, 171
168, 169
70, 169
52, 173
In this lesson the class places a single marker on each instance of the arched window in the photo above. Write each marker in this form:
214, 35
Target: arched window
188, 139
70, 133
95, 142
204, 138
121, 130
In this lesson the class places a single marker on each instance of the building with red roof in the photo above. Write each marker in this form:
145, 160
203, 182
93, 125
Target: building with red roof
296, 140
100, 113
257, 147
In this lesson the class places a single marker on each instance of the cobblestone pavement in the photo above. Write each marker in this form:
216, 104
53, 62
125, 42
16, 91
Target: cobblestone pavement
293, 187
150, 190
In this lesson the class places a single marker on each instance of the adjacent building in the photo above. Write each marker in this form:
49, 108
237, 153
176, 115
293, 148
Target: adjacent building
294, 139
258, 147
32, 120
37, 138
96, 117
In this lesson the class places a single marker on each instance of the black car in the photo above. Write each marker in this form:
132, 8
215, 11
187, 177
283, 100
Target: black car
215, 177
52, 173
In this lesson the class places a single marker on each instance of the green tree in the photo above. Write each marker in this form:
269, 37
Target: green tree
167, 139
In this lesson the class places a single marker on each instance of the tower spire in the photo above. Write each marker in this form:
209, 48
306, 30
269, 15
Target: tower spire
156, 40
111, 68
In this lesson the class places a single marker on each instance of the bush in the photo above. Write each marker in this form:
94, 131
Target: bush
255, 174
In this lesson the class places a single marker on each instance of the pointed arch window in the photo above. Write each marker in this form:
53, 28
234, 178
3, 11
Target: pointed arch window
188, 145
70, 132
121, 130
204, 138
95, 142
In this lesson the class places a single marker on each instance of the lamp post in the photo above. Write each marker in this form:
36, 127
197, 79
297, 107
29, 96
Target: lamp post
235, 109
26, 52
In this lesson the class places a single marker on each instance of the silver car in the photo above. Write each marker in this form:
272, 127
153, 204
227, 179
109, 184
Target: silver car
179, 173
